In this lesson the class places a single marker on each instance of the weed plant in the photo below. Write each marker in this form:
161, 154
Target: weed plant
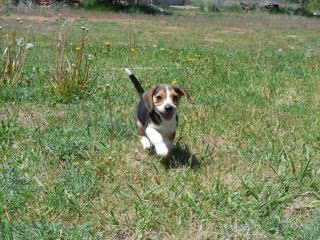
71, 79
14, 54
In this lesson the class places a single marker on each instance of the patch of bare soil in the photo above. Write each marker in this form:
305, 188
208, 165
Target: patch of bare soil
235, 31
301, 206
124, 235
215, 140
26, 117
50, 14
175, 29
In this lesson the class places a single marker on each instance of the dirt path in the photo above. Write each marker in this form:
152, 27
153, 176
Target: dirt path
47, 14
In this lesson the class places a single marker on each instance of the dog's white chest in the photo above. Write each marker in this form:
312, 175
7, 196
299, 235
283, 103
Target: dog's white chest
166, 126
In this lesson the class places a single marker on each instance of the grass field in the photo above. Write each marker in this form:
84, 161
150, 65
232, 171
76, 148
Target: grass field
246, 164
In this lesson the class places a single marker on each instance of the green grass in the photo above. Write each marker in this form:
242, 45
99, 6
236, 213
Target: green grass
246, 162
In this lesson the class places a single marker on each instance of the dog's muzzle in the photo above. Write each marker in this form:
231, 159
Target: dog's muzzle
168, 113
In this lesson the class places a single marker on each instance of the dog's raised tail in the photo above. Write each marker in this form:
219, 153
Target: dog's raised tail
135, 82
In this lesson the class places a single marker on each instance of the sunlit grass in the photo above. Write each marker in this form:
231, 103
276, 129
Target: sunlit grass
246, 162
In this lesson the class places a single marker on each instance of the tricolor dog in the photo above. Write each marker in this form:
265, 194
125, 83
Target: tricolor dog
157, 119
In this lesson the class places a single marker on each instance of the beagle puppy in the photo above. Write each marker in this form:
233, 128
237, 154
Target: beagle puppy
157, 118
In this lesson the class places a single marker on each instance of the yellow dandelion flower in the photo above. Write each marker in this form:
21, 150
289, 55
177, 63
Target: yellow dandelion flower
174, 81
78, 49
133, 50
190, 59
161, 49
108, 44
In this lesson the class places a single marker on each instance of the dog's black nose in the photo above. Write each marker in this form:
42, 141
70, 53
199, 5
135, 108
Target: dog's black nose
168, 108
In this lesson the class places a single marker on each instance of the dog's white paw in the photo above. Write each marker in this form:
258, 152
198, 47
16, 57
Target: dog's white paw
145, 143
162, 150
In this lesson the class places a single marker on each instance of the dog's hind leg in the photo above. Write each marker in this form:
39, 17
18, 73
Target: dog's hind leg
144, 140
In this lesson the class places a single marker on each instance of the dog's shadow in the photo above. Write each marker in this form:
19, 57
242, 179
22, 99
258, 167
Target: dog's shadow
181, 157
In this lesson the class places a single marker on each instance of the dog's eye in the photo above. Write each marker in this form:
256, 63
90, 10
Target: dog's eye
158, 97
175, 98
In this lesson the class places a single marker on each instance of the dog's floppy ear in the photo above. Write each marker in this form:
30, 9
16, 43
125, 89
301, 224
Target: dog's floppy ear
182, 92
147, 97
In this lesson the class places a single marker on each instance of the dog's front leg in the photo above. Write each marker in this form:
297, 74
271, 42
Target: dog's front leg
162, 147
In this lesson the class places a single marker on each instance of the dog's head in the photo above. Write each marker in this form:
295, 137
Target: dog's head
164, 99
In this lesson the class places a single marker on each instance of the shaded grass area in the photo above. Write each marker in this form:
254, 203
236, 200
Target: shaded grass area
245, 164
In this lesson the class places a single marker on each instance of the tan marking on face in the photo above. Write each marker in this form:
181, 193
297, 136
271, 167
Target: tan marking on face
159, 97
174, 96
182, 92
140, 128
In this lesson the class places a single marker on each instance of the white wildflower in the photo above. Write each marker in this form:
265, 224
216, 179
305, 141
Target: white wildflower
20, 42
29, 46
309, 53
90, 57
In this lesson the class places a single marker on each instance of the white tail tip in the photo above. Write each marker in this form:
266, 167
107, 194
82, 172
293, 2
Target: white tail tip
128, 71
